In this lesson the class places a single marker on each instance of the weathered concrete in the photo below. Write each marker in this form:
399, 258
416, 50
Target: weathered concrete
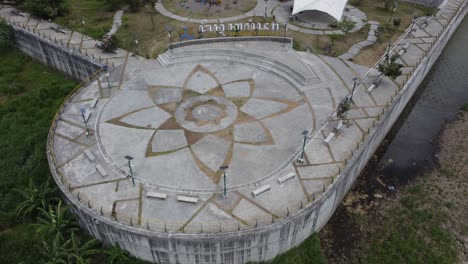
61, 58
246, 228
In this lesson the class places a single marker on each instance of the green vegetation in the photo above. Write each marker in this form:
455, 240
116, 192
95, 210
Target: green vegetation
30, 94
90, 17
6, 35
307, 252
413, 234
35, 227
390, 68
43, 8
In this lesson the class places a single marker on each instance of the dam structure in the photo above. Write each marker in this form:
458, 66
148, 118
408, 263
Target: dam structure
224, 150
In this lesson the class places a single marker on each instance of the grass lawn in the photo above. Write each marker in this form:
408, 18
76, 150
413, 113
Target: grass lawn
31, 94
422, 223
375, 11
96, 15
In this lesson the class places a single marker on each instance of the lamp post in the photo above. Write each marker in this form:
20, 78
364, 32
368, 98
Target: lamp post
413, 21
83, 111
224, 168
108, 83
169, 34
354, 87
301, 158
266, 6
387, 54
129, 158
285, 31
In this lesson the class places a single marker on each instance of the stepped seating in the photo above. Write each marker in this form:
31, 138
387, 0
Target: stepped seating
292, 74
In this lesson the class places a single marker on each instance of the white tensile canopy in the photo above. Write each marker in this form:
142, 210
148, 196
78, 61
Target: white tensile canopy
334, 8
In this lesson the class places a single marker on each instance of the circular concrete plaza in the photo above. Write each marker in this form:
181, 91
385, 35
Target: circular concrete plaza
180, 118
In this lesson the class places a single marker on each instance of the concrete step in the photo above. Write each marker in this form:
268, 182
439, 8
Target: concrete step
291, 74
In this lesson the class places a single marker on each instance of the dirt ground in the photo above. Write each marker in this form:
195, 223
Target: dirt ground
370, 207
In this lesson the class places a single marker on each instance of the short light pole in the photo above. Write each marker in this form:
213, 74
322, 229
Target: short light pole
83, 111
301, 158
224, 168
413, 21
285, 31
266, 6
387, 54
108, 82
354, 87
169, 34
129, 158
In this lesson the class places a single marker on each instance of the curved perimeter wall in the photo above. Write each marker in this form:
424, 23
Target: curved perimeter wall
262, 243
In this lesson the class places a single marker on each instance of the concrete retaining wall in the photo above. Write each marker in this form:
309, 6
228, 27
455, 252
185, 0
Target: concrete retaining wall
262, 243
73, 64
286, 40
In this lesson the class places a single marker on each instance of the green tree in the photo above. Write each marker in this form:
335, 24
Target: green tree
390, 68
115, 255
35, 198
112, 4
45, 8
6, 35
346, 25
55, 222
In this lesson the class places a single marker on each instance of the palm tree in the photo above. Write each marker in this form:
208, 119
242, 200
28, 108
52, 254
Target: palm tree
54, 251
34, 198
55, 222
115, 255
80, 253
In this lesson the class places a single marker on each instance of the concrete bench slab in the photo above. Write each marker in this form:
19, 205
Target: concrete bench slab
261, 190
286, 177
89, 155
101, 170
161, 196
329, 138
187, 199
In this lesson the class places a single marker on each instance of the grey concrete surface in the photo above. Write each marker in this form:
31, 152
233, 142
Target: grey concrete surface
238, 228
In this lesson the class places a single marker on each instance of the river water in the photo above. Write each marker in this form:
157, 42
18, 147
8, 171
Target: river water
410, 147
440, 97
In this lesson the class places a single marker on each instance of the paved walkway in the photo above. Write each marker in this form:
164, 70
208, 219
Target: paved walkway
356, 48
73, 40
117, 22
259, 10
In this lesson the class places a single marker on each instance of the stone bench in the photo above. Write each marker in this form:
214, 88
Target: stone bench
187, 199
329, 138
261, 190
161, 196
286, 177
371, 88
338, 126
89, 155
101, 170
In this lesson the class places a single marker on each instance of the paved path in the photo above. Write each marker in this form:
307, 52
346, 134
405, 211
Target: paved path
356, 48
259, 10
73, 40
117, 22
